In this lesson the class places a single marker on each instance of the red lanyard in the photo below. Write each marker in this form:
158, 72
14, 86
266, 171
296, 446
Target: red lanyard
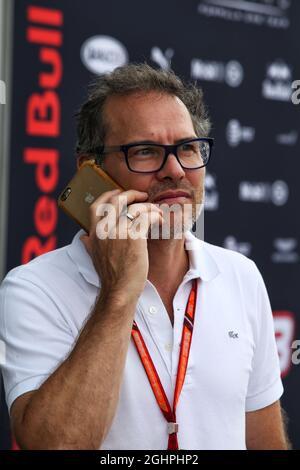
158, 390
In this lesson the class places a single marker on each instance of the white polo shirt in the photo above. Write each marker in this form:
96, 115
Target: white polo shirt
233, 365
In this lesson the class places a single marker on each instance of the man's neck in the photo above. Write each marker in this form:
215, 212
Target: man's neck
168, 263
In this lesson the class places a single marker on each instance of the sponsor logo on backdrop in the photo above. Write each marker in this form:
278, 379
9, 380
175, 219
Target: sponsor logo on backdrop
278, 82
2, 92
276, 193
271, 13
285, 250
231, 73
296, 93
236, 133
163, 59
102, 54
287, 138
231, 243
211, 193
285, 326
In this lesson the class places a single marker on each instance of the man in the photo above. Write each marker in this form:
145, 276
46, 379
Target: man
142, 343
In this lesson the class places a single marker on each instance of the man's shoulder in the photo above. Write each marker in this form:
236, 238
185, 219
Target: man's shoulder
237, 272
43, 268
51, 286
230, 260
225, 253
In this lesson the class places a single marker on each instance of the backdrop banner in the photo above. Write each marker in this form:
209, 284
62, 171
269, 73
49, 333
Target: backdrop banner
245, 55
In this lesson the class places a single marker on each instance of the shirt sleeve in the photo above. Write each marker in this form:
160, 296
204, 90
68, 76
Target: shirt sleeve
265, 385
34, 335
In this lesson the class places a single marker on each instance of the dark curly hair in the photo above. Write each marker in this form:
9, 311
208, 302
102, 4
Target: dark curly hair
91, 125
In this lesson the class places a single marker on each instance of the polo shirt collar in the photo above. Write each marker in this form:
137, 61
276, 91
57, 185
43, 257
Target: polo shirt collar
202, 263
82, 259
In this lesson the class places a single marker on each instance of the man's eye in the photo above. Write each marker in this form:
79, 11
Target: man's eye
188, 147
143, 151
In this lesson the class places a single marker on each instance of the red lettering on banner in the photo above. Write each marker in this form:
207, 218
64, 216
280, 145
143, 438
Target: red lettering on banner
34, 247
44, 36
43, 114
46, 173
52, 57
44, 16
43, 119
284, 322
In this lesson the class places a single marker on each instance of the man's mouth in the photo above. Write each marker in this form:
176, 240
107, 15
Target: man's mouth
172, 197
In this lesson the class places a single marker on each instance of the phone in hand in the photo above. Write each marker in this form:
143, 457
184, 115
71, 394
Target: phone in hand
88, 184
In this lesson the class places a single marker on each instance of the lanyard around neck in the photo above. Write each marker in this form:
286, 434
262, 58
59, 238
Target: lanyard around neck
158, 390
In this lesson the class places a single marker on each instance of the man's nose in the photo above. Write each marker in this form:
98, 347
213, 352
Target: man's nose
171, 169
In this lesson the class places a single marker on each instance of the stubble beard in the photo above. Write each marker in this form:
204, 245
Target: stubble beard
179, 221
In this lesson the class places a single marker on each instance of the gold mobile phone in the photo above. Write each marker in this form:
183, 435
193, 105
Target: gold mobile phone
89, 182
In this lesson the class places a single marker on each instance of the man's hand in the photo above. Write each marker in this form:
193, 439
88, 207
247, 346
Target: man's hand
121, 262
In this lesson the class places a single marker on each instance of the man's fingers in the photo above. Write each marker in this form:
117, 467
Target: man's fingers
104, 197
102, 200
139, 228
114, 202
125, 199
113, 196
133, 195
144, 215
137, 208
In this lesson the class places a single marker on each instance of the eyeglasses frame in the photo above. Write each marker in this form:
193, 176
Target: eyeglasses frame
169, 149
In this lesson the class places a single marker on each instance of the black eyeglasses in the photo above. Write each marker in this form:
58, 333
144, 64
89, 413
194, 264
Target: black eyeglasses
147, 157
